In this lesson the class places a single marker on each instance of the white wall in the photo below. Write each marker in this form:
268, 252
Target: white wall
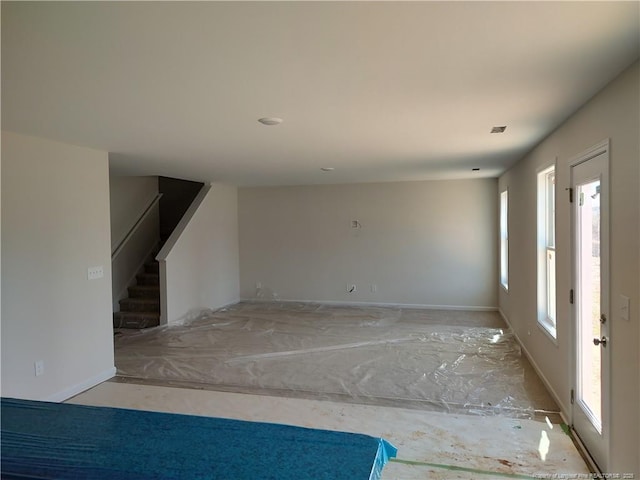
427, 243
55, 224
613, 113
199, 262
128, 198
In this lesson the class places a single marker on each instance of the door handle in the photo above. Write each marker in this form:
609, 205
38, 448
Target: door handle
600, 341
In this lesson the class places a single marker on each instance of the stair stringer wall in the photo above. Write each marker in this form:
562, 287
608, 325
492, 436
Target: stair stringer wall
129, 199
131, 259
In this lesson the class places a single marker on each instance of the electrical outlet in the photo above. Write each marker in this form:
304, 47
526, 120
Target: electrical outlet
258, 285
95, 272
374, 288
351, 288
38, 367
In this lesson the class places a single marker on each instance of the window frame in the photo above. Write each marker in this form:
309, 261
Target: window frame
546, 251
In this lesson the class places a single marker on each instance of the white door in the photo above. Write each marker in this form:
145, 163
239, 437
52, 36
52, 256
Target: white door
591, 343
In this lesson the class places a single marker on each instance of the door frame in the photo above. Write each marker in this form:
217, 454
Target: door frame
601, 148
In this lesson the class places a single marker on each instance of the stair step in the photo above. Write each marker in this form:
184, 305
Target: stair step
148, 279
153, 267
136, 319
144, 291
140, 305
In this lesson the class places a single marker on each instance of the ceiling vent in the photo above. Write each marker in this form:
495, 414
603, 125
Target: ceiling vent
498, 129
270, 121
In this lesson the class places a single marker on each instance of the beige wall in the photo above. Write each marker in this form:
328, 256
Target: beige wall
55, 224
199, 262
0, 262
129, 197
613, 114
427, 243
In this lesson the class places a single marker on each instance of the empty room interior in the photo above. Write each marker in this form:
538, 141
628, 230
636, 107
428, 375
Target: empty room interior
413, 222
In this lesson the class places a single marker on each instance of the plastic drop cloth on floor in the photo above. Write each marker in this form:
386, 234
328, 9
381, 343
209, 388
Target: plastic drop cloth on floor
449, 361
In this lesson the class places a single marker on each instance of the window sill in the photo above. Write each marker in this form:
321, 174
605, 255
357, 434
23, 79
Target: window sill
550, 331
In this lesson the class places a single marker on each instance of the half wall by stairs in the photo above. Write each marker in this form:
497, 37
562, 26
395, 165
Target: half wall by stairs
197, 268
163, 202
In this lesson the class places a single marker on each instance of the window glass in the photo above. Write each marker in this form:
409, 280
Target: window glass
547, 250
504, 239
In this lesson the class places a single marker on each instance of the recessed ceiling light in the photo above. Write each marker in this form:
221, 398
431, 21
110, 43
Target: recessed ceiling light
327, 169
270, 121
498, 129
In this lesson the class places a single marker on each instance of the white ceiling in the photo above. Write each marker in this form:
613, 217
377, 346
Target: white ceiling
381, 91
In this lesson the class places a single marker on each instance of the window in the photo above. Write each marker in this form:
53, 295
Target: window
504, 239
547, 250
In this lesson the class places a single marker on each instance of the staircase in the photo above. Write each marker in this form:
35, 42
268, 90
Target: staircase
142, 308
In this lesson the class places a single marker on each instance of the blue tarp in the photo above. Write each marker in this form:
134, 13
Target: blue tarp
61, 441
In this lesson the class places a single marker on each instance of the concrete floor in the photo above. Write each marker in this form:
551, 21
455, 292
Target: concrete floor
430, 445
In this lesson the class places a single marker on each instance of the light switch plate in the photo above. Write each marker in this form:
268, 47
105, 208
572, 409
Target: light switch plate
95, 272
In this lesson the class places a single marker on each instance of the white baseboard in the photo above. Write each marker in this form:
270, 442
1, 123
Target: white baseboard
197, 312
67, 393
376, 304
237, 300
564, 412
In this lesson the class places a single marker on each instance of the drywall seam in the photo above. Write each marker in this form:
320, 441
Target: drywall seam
564, 412
469, 308
67, 393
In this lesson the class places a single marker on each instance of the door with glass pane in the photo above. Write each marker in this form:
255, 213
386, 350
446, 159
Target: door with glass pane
591, 343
